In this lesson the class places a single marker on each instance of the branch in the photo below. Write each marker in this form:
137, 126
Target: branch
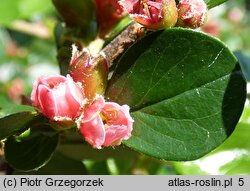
121, 43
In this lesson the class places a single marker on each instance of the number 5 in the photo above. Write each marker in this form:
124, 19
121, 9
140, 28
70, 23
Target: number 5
241, 182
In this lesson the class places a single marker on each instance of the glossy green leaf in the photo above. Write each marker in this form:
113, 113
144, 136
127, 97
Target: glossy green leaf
214, 3
210, 3
32, 149
59, 164
232, 157
15, 123
14, 118
7, 107
186, 93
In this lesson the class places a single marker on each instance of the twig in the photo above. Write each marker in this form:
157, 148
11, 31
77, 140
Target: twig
120, 44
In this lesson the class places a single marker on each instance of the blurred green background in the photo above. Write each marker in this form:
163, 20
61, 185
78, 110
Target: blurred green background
28, 50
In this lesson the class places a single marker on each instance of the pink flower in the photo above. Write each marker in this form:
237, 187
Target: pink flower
105, 123
57, 97
192, 13
92, 73
153, 14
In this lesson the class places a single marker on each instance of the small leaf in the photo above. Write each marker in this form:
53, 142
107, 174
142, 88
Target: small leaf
210, 3
8, 108
214, 3
15, 123
181, 87
31, 150
59, 164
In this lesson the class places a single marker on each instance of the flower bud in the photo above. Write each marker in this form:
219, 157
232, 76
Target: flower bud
108, 14
192, 13
57, 97
92, 73
153, 14
105, 123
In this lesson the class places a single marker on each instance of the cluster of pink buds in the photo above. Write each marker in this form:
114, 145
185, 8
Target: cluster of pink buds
77, 99
160, 14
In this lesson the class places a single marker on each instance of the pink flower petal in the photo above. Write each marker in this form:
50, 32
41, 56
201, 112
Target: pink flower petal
130, 5
120, 114
57, 97
46, 101
152, 14
51, 80
93, 131
106, 123
94, 109
115, 134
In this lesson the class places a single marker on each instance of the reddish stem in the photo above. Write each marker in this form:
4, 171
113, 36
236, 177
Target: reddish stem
124, 40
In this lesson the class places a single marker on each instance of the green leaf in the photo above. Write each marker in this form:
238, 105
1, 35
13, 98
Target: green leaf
244, 61
214, 3
15, 123
8, 108
232, 157
14, 118
32, 149
59, 165
185, 90
211, 3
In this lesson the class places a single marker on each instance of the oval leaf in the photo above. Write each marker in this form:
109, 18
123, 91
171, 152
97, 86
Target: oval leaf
56, 166
14, 123
7, 107
181, 87
32, 150
210, 3
231, 158
214, 3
